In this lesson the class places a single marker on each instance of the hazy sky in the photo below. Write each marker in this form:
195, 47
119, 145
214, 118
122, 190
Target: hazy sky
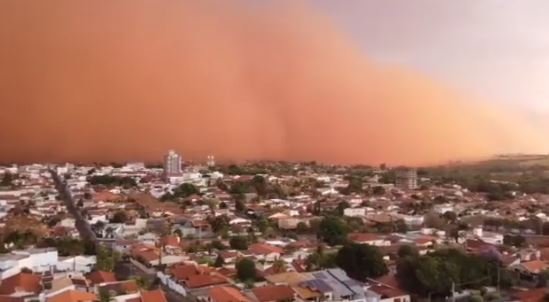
495, 49
376, 82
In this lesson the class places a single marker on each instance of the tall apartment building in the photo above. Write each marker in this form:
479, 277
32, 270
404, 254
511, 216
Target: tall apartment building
210, 161
406, 179
172, 164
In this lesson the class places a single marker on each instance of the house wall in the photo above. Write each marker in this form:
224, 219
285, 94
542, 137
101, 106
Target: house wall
171, 284
405, 298
354, 212
44, 261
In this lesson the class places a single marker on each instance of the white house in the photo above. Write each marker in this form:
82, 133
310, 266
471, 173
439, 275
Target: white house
354, 212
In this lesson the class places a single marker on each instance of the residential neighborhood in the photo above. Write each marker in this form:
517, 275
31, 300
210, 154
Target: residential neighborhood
265, 232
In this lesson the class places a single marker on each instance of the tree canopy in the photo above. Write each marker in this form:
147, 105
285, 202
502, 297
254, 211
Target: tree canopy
109, 180
332, 230
361, 261
434, 273
239, 243
245, 270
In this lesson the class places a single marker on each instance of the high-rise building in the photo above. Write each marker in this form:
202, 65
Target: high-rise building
172, 164
210, 161
406, 179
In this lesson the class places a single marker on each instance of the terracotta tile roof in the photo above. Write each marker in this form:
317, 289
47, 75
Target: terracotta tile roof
387, 292
98, 277
227, 272
73, 296
389, 279
22, 282
196, 276
226, 294
11, 299
306, 294
121, 288
171, 240
535, 266
299, 265
184, 271
153, 296
273, 293
106, 196
264, 249
147, 255
199, 281
533, 295
288, 278
364, 237
229, 254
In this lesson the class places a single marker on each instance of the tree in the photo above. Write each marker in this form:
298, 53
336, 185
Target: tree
245, 270
341, 207
434, 274
260, 185
109, 180
105, 296
143, 283
332, 230
450, 216
476, 298
433, 220
106, 259
407, 251
302, 228
361, 261
239, 243
514, 240
378, 190
219, 223
279, 266
354, 186
319, 260
185, 190
218, 245
219, 261
119, 217
6, 180
239, 205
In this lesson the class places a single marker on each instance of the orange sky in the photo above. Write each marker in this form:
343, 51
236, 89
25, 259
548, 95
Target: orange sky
130, 79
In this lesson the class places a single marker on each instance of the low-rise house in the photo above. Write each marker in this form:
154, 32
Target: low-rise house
273, 293
531, 268
194, 229
37, 260
100, 277
82, 264
355, 212
266, 252
230, 257
224, 294
370, 239
387, 289
26, 285
73, 296
118, 288
192, 276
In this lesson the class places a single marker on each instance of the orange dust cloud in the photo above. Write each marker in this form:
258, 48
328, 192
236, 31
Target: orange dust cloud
129, 79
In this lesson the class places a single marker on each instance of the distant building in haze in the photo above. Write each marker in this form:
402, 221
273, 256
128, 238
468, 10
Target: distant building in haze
172, 164
406, 179
210, 161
